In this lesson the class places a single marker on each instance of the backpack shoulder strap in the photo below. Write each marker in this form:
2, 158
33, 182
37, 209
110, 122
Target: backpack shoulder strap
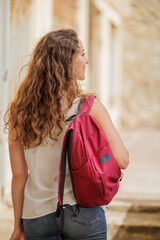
87, 104
62, 166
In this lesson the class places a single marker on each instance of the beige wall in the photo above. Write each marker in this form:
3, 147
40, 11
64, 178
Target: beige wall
1, 40
64, 14
140, 91
94, 45
121, 6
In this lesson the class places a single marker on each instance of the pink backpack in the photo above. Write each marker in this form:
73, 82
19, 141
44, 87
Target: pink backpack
94, 172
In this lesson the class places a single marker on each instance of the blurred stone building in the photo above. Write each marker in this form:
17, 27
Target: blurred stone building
140, 92
121, 39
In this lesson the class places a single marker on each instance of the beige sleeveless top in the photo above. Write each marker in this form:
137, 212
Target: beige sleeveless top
41, 189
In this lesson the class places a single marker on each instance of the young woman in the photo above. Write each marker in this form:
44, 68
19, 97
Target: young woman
36, 121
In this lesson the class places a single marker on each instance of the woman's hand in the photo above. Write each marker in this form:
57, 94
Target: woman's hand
17, 234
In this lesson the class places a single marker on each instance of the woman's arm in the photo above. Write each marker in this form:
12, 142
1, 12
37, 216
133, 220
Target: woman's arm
19, 177
102, 117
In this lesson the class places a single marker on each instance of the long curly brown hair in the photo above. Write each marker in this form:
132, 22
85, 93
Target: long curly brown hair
37, 110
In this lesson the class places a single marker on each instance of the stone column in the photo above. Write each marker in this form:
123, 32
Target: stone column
42, 19
82, 27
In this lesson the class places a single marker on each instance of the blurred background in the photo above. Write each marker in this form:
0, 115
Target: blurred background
122, 43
